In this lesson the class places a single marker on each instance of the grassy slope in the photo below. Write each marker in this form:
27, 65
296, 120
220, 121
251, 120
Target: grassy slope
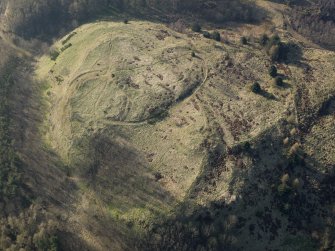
123, 153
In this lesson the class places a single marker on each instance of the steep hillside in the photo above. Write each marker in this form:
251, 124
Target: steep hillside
183, 135
316, 20
44, 19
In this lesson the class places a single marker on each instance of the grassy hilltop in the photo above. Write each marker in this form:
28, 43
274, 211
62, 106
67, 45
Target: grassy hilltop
147, 118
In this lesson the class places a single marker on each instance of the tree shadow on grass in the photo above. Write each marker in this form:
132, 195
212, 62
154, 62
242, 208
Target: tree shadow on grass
283, 76
284, 85
268, 95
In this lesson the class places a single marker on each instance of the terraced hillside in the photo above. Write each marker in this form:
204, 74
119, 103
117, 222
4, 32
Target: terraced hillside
147, 119
149, 87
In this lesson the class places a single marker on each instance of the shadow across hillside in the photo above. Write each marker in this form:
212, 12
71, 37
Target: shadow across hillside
47, 19
283, 200
119, 173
